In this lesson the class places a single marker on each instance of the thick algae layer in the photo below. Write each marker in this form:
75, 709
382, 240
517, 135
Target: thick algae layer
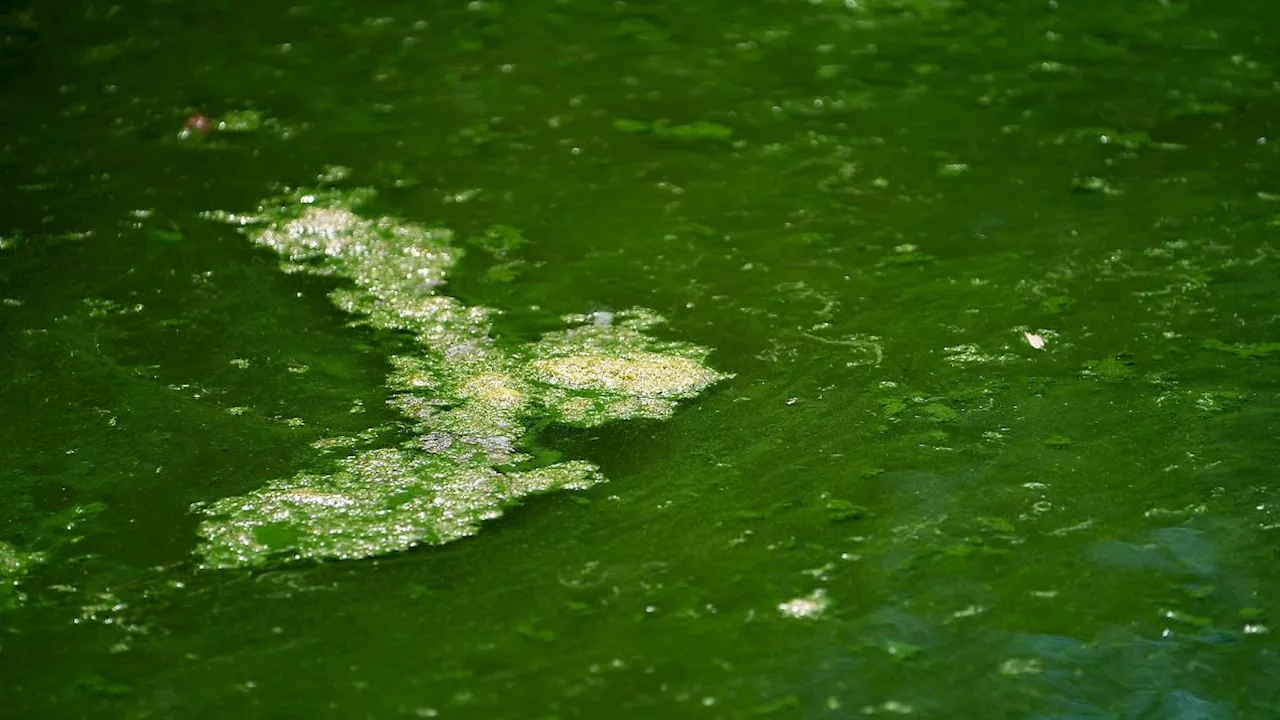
468, 399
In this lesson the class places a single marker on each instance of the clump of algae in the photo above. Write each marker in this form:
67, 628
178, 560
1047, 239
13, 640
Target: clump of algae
645, 374
468, 399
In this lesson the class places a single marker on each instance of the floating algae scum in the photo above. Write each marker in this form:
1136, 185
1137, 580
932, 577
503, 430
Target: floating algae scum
467, 398
13, 565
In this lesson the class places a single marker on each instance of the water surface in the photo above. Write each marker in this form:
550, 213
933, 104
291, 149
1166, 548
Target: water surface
870, 214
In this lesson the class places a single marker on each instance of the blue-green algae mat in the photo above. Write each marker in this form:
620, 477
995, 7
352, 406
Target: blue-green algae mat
570, 359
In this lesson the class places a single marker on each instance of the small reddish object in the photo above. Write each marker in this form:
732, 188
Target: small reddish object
200, 123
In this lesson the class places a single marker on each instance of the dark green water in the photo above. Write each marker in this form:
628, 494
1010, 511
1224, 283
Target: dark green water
896, 507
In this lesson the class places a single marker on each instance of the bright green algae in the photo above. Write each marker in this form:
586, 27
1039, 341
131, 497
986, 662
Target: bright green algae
468, 398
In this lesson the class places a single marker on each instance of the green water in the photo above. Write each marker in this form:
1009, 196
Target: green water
868, 212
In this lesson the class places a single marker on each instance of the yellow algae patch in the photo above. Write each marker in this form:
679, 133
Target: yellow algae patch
596, 411
644, 374
494, 389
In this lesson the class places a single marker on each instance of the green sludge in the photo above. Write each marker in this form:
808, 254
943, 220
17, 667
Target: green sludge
469, 400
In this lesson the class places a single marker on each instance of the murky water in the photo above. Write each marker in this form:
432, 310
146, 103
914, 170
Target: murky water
965, 401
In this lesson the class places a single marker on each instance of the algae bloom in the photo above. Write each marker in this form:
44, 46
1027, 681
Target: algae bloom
466, 396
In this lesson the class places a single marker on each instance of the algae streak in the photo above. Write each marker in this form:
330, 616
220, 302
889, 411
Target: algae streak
469, 401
